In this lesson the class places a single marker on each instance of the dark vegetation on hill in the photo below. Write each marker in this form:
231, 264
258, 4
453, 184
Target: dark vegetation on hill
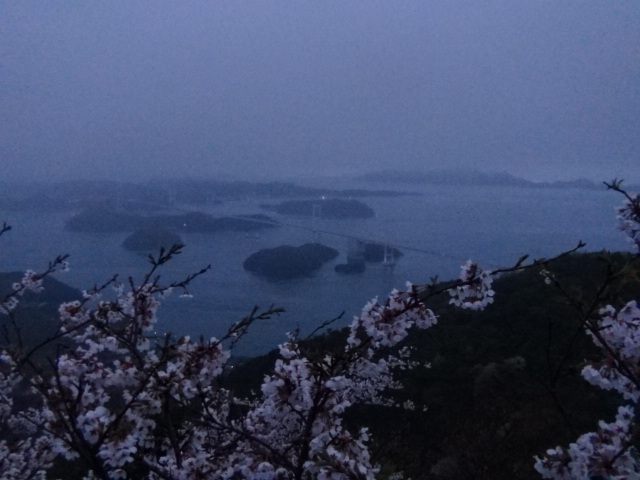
287, 262
37, 313
504, 384
48, 300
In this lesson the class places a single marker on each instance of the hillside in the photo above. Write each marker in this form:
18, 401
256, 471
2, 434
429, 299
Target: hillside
504, 384
37, 313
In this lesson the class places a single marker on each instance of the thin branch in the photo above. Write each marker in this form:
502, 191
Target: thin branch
325, 324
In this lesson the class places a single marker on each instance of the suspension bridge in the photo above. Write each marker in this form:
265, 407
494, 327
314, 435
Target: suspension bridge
356, 242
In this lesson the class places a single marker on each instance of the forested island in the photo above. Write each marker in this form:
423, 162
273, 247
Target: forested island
102, 220
154, 196
287, 262
162, 195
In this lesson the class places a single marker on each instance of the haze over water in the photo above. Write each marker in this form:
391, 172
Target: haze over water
133, 91
443, 227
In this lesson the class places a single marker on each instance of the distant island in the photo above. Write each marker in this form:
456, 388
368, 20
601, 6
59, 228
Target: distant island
287, 262
103, 220
469, 177
153, 197
325, 207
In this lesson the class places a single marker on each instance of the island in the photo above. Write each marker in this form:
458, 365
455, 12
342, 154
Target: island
287, 262
103, 221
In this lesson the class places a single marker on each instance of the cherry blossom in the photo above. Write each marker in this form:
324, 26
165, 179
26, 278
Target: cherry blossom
120, 401
474, 291
628, 215
609, 452
111, 400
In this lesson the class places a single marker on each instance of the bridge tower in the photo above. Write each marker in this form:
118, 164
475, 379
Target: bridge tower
119, 201
171, 196
355, 250
388, 259
316, 214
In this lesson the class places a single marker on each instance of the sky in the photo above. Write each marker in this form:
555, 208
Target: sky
130, 90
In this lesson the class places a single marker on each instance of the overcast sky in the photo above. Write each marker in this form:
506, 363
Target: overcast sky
131, 89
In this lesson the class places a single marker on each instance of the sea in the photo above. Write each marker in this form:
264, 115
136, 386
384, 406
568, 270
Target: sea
437, 228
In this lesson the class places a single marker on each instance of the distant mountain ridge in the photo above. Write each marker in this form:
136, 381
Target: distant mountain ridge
156, 196
471, 177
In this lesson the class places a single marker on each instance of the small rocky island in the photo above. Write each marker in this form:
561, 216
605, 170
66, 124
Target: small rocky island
148, 240
325, 207
287, 262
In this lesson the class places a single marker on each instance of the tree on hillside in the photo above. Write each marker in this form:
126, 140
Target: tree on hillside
611, 451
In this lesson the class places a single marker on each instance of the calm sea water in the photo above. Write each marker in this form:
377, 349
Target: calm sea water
445, 225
